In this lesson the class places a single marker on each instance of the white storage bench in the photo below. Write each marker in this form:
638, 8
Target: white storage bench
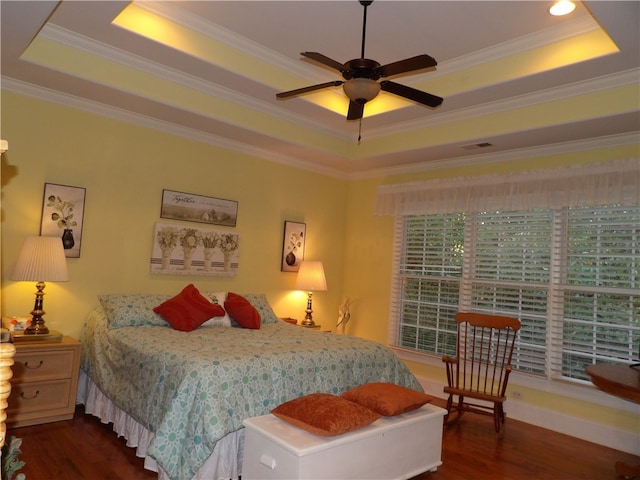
397, 447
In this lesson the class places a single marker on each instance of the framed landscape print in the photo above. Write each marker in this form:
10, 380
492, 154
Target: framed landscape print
293, 246
198, 208
62, 214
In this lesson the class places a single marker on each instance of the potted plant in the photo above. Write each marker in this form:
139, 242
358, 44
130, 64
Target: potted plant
10, 461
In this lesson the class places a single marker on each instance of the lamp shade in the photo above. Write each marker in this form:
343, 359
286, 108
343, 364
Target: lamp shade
41, 259
361, 90
311, 277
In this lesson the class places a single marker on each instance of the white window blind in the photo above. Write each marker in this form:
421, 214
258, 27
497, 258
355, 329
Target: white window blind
601, 290
510, 276
572, 277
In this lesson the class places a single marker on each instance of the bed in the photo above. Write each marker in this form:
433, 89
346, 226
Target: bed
181, 397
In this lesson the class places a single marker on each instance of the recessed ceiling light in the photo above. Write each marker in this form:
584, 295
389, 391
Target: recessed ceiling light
562, 7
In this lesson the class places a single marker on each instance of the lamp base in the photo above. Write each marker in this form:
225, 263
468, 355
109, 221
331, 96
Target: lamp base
52, 337
307, 321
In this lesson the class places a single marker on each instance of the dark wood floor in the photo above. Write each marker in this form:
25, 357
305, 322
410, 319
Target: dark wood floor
85, 449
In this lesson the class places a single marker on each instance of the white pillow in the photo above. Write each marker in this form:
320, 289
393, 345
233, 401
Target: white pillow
219, 298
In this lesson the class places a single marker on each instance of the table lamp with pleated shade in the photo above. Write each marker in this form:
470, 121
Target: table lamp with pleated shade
40, 260
310, 278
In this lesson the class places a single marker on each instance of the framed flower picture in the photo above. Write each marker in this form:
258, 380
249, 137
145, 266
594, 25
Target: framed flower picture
190, 250
62, 214
293, 246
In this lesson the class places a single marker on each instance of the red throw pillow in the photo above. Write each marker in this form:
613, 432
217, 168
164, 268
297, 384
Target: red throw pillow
242, 311
188, 310
387, 399
325, 414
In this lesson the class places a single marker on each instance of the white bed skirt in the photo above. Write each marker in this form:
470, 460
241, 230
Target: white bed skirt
224, 463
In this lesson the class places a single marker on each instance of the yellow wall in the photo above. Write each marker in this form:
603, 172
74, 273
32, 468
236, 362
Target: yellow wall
124, 169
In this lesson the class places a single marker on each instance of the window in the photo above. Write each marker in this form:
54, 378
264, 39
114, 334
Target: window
570, 275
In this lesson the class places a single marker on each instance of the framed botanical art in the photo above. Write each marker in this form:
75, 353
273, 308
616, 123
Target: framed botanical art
190, 250
198, 208
293, 246
62, 214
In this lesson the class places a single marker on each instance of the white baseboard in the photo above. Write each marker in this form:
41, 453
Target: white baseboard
589, 430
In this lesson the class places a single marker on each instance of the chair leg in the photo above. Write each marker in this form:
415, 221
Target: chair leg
458, 409
449, 405
498, 418
460, 405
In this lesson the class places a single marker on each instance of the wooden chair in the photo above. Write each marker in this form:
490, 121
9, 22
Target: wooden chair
480, 370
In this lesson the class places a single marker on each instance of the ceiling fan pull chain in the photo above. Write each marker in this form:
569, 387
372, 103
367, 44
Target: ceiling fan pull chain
360, 131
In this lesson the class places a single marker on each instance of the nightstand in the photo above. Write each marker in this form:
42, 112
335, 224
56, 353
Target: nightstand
44, 382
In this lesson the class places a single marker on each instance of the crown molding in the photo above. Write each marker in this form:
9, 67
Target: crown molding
172, 12
553, 34
606, 82
71, 39
510, 48
597, 143
89, 106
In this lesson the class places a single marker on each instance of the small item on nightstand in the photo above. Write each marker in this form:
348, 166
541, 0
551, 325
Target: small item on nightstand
5, 335
16, 325
290, 320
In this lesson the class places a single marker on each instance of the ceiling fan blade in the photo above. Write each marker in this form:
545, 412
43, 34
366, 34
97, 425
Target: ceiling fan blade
407, 65
300, 91
320, 58
356, 110
411, 93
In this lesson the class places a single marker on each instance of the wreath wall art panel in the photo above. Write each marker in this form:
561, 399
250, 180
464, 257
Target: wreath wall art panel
179, 250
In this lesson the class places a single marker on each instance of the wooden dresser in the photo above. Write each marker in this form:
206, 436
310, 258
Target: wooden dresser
44, 383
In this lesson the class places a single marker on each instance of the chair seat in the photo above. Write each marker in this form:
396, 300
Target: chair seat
474, 394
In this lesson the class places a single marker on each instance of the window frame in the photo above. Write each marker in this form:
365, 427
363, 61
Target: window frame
556, 289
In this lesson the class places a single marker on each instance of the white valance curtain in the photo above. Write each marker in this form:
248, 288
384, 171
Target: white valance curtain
612, 182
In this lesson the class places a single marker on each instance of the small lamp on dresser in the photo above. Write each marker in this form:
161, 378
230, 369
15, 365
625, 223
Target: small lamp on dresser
41, 260
310, 278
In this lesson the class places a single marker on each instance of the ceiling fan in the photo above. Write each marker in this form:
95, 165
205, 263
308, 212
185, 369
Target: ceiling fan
361, 74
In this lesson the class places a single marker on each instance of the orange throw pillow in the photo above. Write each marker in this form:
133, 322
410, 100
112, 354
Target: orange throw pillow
387, 399
325, 414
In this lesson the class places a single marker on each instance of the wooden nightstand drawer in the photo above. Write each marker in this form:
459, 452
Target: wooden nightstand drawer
42, 365
39, 396
44, 382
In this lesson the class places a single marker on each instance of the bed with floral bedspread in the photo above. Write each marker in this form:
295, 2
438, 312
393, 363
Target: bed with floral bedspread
191, 389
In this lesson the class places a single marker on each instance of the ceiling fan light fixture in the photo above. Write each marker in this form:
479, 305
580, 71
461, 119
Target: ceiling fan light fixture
562, 7
361, 90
